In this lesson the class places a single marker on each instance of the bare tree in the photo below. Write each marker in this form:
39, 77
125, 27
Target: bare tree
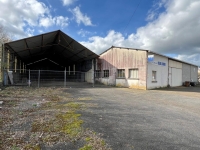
4, 36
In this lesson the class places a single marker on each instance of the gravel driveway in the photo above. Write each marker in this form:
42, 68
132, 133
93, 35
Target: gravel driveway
137, 119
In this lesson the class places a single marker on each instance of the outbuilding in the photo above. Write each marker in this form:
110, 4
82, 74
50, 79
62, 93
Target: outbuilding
50, 58
142, 69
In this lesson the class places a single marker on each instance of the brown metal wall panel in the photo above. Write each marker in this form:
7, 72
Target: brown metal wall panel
124, 58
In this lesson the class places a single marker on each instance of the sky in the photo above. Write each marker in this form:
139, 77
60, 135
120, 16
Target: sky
169, 27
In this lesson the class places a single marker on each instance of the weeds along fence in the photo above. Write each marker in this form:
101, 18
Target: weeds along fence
38, 78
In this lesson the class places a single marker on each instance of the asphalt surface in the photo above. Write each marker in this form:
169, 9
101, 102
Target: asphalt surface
138, 119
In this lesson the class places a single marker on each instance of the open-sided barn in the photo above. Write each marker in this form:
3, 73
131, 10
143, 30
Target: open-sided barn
48, 57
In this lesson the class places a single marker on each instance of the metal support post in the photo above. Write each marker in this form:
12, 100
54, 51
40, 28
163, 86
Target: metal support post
93, 78
29, 78
65, 78
2, 63
38, 78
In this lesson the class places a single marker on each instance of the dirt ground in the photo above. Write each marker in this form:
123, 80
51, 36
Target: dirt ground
100, 118
45, 118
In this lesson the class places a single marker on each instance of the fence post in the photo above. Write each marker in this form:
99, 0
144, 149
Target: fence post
65, 78
93, 77
29, 78
38, 78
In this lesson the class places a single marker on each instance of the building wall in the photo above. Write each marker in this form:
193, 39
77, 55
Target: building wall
194, 73
89, 75
186, 72
175, 64
123, 58
160, 65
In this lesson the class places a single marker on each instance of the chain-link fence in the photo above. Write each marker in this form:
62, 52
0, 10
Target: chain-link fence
41, 78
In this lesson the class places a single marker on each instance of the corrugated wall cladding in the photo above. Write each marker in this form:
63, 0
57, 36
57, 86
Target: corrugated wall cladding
123, 58
186, 72
194, 73
175, 64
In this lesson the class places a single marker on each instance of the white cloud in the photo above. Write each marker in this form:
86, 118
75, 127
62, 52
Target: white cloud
46, 21
99, 44
29, 32
50, 21
175, 31
154, 11
62, 21
68, 2
22, 17
41, 31
80, 17
20, 14
194, 58
85, 33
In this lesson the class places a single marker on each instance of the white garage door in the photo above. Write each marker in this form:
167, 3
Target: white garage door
176, 77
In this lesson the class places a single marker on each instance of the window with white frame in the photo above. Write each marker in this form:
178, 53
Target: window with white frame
121, 73
106, 73
153, 75
133, 73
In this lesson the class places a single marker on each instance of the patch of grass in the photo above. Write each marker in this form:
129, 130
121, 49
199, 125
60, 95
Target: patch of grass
93, 142
15, 148
10, 103
86, 147
70, 123
66, 123
84, 98
72, 105
32, 147
55, 98
20, 113
103, 143
34, 105
87, 139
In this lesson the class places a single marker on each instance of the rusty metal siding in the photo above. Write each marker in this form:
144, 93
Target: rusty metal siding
124, 58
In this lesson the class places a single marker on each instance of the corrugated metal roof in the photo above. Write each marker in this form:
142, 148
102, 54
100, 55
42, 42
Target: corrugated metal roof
55, 45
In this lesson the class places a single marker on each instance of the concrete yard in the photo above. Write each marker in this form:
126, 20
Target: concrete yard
138, 119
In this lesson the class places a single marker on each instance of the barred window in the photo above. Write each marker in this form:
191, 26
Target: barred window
133, 73
121, 73
106, 73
